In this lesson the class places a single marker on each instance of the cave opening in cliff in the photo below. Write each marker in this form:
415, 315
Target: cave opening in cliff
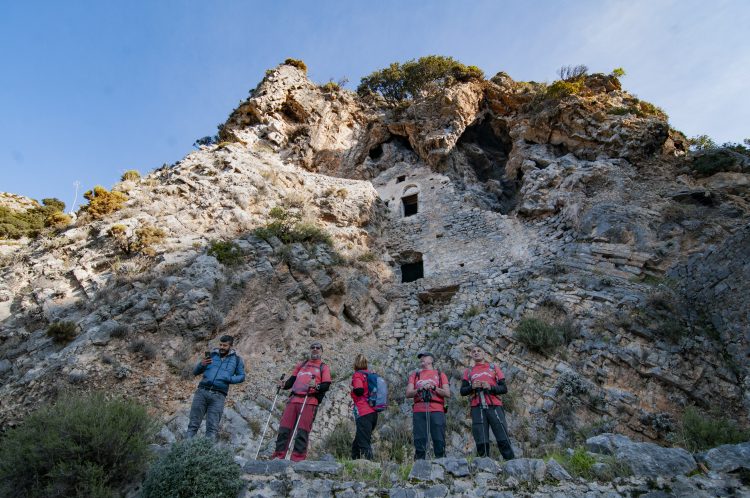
401, 141
411, 205
376, 152
485, 147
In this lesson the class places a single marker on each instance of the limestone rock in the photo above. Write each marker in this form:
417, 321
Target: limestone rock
525, 469
728, 457
426, 471
650, 460
607, 444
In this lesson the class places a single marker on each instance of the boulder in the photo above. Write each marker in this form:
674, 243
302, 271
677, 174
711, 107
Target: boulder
728, 457
651, 460
424, 470
458, 467
526, 469
607, 444
485, 464
556, 471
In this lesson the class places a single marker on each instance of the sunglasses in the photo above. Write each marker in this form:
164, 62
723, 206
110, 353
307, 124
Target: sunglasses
316, 347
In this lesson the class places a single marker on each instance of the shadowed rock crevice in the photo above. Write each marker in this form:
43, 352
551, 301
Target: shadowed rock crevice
479, 161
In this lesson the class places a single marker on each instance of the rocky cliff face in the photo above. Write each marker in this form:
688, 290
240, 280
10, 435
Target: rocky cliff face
453, 220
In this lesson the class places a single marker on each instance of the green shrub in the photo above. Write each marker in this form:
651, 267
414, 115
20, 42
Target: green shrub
578, 464
227, 253
287, 227
145, 237
296, 63
339, 442
57, 219
701, 142
16, 224
712, 162
620, 111
103, 202
311, 234
62, 331
194, 468
399, 82
142, 241
80, 446
643, 109
54, 204
618, 72
581, 464
131, 174
698, 431
563, 88
542, 336
330, 87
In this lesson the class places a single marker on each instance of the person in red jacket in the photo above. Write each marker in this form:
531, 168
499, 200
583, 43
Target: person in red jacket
485, 382
309, 382
365, 416
430, 389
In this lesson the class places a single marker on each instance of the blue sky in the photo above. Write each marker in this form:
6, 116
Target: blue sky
89, 89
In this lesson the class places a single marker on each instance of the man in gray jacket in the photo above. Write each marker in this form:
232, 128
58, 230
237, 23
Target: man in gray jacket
220, 368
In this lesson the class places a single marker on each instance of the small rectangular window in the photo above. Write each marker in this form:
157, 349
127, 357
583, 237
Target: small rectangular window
411, 205
412, 271
401, 178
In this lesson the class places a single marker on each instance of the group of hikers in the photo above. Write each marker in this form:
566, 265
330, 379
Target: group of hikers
483, 382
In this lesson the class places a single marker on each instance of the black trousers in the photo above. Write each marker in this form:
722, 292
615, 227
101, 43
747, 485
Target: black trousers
482, 420
437, 434
362, 444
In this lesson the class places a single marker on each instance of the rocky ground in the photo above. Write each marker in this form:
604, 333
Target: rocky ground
583, 211
657, 472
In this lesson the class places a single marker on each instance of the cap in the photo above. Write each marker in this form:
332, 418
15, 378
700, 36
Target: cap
425, 353
316, 343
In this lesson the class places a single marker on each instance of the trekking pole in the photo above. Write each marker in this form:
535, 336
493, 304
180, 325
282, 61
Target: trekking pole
288, 455
485, 433
502, 425
278, 390
427, 397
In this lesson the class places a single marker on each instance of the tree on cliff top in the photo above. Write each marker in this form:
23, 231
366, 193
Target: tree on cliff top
399, 82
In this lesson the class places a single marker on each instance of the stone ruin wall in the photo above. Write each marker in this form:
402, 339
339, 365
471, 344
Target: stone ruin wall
483, 271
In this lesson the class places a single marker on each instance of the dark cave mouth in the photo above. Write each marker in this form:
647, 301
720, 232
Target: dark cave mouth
486, 145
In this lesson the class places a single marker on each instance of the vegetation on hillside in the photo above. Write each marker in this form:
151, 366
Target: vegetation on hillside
103, 202
81, 446
194, 468
399, 82
15, 224
698, 431
130, 175
289, 228
710, 158
62, 332
299, 64
546, 329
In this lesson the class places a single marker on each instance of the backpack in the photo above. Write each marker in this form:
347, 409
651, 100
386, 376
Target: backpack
377, 391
